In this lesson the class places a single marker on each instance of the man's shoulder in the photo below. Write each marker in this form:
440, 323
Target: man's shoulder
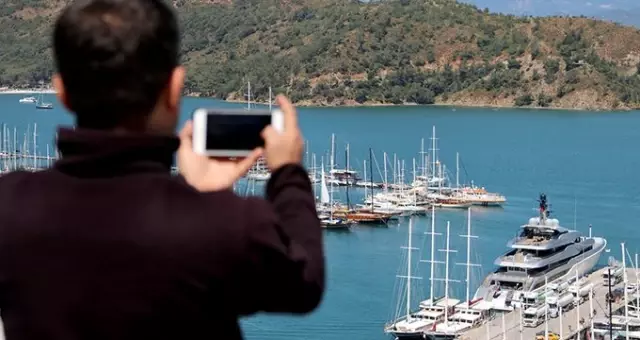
13, 178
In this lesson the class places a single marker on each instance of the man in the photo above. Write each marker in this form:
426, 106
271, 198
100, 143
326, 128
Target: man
107, 244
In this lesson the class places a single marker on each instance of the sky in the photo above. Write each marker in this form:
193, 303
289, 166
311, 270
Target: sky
555, 7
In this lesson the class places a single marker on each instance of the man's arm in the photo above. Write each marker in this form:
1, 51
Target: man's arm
283, 269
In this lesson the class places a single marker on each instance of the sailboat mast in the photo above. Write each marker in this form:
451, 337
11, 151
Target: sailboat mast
248, 95
15, 146
371, 171
333, 152
346, 155
446, 279
347, 160
577, 309
422, 165
330, 196
270, 100
3, 138
409, 271
401, 182
637, 285
433, 152
414, 169
364, 162
457, 170
433, 251
386, 184
468, 254
35, 158
315, 170
624, 278
395, 170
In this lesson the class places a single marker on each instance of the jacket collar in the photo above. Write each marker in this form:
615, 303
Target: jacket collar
96, 153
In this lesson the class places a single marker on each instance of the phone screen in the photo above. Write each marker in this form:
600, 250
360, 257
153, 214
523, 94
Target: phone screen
235, 132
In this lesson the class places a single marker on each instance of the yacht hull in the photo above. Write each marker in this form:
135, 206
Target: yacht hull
417, 335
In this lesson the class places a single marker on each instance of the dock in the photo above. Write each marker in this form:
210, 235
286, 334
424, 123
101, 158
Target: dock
510, 329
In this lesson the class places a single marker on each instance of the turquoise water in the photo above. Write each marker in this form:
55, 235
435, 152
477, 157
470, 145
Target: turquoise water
586, 163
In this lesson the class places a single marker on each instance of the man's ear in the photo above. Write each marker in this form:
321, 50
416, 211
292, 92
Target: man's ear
176, 84
58, 85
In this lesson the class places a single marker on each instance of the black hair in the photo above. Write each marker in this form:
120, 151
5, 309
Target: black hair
115, 57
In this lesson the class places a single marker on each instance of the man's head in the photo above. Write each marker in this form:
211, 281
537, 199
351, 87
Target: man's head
118, 64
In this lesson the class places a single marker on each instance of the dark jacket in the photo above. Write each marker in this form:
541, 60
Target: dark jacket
108, 245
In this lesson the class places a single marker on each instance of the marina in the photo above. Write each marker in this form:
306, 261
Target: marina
501, 156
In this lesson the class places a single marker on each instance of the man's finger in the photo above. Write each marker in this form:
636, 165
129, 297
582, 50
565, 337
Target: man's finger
244, 165
186, 134
290, 118
268, 133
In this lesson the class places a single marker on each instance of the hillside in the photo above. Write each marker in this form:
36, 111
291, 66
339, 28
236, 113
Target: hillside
337, 52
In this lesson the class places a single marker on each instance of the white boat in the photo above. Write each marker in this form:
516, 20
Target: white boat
29, 100
479, 196
326, 199
542, 249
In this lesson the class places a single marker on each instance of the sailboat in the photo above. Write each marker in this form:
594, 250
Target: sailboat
411, 325
470, 313
41, 105
326, 200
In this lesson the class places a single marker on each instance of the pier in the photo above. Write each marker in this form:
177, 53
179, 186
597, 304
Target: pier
507, 325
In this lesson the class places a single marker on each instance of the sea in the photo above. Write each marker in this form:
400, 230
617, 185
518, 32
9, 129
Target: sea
587, 163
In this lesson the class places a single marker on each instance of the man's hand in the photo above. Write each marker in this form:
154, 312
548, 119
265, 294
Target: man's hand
206, 174
286, 147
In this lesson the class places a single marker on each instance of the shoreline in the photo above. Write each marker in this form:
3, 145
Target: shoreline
26, 91
444, 105
10, 91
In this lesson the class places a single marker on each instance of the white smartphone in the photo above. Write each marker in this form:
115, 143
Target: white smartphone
232, 133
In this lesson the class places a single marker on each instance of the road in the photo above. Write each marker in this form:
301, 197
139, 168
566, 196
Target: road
494, 330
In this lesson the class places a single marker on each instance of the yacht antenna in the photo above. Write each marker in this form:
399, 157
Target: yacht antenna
544, 208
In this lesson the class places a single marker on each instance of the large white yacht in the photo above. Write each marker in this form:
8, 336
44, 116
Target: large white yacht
542, 249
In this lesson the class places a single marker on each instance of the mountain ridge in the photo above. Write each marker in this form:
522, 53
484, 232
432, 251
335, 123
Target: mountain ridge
339, 52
